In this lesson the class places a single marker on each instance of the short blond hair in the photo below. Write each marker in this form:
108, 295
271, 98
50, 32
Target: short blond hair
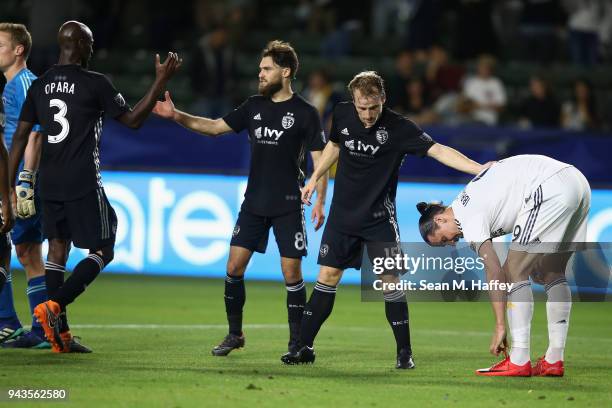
369, 83
19, 36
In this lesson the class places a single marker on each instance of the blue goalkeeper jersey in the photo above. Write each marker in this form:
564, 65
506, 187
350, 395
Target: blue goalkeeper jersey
14, 95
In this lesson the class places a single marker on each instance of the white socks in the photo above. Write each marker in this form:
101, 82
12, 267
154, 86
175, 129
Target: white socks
558, 307
520, 311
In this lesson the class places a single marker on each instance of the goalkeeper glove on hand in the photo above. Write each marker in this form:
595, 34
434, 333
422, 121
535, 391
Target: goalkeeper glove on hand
25, 194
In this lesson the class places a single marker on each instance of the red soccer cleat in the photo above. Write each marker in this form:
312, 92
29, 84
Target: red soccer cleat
545, 369
505, 368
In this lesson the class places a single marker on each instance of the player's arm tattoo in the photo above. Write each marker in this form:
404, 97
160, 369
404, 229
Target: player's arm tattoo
454, 159
322, 182
20, 141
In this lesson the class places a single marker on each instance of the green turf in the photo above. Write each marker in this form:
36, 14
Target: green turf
166, 367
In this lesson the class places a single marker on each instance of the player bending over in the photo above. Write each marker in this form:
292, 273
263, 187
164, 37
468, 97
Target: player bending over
70, 102
544, 204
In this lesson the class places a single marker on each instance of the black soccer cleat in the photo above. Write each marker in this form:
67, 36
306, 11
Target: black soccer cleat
229, 343
304, 355
404, 360
74, 345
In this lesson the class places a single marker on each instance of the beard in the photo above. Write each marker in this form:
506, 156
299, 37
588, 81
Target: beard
270, 89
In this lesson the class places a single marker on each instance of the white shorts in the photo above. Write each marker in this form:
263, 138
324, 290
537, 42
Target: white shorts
555, 214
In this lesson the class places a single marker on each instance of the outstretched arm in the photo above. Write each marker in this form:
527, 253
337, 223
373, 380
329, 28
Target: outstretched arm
454, 159
328, 158
163, 72
204, 126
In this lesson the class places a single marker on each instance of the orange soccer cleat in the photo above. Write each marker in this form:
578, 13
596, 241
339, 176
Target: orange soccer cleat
506, 368
545, 369
47, 314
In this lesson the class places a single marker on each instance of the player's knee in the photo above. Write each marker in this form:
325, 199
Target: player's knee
292, 275
235, 268
329, 276
23, 254
58, 251
107, 254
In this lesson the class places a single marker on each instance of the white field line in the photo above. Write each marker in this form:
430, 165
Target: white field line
448, 333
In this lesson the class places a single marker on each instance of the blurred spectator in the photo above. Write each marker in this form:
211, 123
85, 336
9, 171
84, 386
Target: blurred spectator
321, 94
580, 113
404, 71
542, 21
442, 77
475, 33
540, 108
485, 96
212, 73
423, 26
585, 20
391, 17
417, 104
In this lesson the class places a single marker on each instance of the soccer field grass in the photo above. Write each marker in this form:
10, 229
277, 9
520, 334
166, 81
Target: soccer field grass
152, 338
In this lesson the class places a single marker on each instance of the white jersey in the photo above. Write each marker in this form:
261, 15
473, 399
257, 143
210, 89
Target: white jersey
490, 204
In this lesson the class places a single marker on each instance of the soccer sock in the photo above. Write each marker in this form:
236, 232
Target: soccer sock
317, 310
54, 278
8, 315
84, 273
37, 293
396, 310
296, 299
520, 311
235, 296
558, 307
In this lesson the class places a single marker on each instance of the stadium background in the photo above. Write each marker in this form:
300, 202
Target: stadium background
177, 194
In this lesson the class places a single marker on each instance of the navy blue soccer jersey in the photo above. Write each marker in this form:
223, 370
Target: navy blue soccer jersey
70, 102
280, 134
368, 166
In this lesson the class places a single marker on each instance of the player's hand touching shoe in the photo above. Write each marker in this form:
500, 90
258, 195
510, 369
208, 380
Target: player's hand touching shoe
499, 343
307, 191
318, 215
164, 72
164, 108
25, 194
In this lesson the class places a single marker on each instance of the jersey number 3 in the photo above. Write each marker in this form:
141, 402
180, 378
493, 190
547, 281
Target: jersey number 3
59, 117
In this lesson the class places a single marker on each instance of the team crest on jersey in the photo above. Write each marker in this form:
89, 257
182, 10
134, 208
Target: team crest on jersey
350, 144
324, 250
236, 231
382, 136
288, 120
119, 100
258, 132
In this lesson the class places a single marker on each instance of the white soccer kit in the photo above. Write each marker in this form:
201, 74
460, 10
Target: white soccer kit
536, 198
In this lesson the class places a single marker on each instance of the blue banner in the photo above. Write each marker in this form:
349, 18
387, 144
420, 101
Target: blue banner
181, 224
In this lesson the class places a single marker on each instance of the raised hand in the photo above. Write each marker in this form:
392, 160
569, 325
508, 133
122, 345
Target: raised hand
166, 70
